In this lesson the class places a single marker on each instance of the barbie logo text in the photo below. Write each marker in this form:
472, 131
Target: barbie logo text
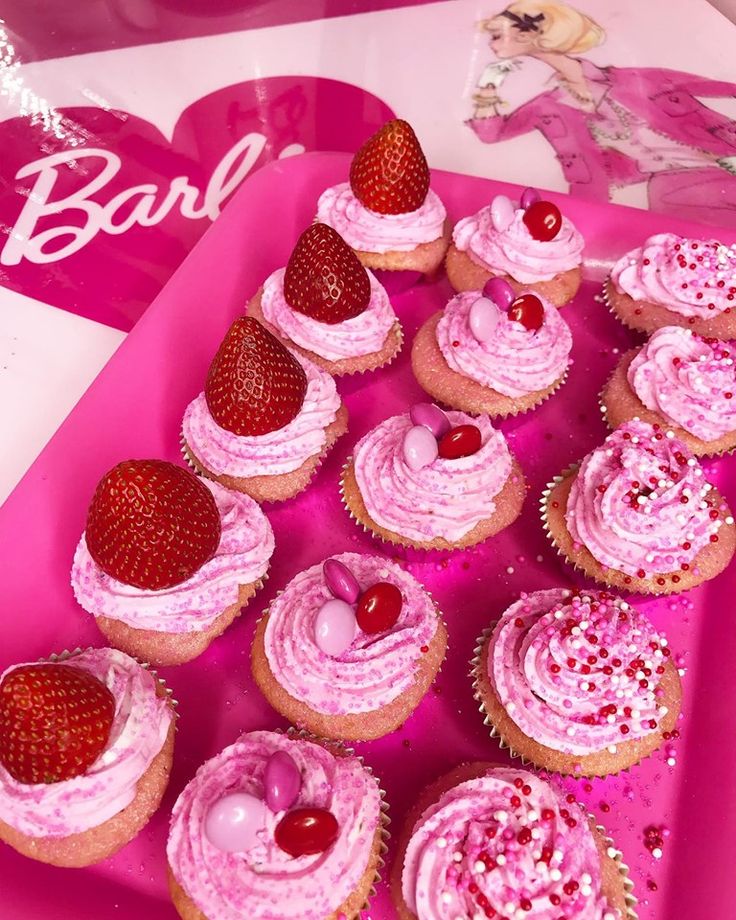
146, 204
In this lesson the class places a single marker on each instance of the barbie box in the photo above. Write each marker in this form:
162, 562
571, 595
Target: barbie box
681, 796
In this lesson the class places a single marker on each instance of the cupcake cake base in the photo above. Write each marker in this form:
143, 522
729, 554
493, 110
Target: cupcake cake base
425, 258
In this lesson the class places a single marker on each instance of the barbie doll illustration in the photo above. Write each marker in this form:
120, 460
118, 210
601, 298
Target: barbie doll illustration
612, 126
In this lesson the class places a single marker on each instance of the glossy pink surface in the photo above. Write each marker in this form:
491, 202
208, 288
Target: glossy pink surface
134, 409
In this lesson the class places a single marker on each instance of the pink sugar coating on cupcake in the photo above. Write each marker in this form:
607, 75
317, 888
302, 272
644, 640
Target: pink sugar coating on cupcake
361, 335
273, 454
500, 840
375, 669
577, 674
638, 502
369, 231
139, 729
263, 880
514, 251
516, 361
689, 381
446, 498
690, 277
242, 557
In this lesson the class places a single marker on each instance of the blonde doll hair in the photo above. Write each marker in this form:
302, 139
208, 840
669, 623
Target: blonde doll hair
563, 29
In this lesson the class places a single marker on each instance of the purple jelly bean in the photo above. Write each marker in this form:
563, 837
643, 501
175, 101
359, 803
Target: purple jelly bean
281, 781
500, 292
528, 197
340, 581
430, 416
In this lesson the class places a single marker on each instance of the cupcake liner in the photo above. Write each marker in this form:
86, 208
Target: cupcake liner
605, 295
613, 852
387, 363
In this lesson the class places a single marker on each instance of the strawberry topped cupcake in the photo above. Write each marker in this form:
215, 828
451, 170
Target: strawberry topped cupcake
682, 380
493, 353
266, 417
674, 281
329, 308
532, 247
639, 514
433, 480
86, 745
387, 212
167, 560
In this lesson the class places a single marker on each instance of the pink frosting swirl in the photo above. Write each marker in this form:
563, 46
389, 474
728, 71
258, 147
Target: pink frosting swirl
546, 666
514, 251
689, 381
352, 338
445, 499
264, 881
272, 454
139, 729
368, 231
242, 557
375, 669
689, 277
516, 361
506, 841
638, 502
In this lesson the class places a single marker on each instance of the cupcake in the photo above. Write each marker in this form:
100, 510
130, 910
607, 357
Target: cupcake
639, 514
387, 212
167, 560
577, 683
86, 744
673, 281
276, 826
679, 380
532, 247
328, 308
432, 480
490, 841
349, 648
492, 353
266, 418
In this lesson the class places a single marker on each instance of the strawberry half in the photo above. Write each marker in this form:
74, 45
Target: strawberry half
389, 174
152, 524
255, 384
324, 278
55, 721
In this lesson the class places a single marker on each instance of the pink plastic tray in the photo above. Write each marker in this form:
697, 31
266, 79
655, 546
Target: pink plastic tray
134, 409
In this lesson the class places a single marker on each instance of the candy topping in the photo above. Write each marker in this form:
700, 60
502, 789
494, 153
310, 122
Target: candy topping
462, 441
340, 581
431, 417
500, 292
527, 309
306, 831
502, 212
234, 822
543, 220
379, 607
483, 318
529, 197
389, 173
282, 781
419, 447
334, 627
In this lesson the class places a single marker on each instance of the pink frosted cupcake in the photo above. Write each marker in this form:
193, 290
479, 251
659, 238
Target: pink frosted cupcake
103, 740
349, 648
329, 308
673, 281
266, 418
577, 683
490, 841
679, 380
532, 247
433, 480
639, 514
492, 353
276, 826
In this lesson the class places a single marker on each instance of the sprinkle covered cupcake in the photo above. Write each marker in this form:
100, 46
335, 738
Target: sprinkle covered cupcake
86, 745
673, 281
168, 560
433, 480
577, 683
276, 826
493, 353
329, 308
387, 212
349, 648
489, 841
639, 514
266, 418
680, 380
532, 247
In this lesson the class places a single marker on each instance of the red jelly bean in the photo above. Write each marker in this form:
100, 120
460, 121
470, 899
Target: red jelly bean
543, 220
379, 607
527, 310
306, 831
460, 442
